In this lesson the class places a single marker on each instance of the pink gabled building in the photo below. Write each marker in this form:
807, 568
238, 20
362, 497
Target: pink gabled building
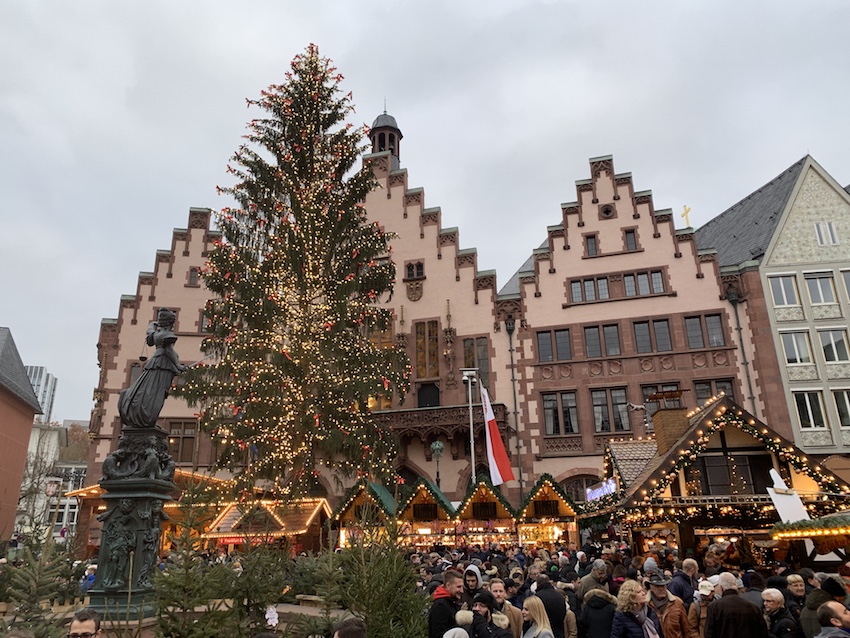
616, 307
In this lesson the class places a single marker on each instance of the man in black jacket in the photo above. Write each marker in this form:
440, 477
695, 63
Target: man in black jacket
731, 616
553, 601
446, 602
684, 582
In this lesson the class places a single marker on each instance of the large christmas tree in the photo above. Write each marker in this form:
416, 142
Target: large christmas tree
297, 277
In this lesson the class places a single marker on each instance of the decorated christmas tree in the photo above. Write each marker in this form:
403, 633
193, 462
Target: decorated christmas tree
297, 276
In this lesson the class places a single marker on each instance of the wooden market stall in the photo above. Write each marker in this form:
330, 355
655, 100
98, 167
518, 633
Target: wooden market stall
484, 516
301, 522
824, 540
547, 515
706, 484
367, 503
426, 517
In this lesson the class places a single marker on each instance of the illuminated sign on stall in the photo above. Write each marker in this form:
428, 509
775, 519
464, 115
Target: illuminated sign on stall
597, 491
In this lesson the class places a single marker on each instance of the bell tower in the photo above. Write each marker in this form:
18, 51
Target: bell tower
386, 136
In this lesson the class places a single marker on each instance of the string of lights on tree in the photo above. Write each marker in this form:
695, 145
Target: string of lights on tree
296, 276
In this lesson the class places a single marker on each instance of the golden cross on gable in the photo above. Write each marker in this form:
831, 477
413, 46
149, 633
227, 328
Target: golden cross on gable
685, 215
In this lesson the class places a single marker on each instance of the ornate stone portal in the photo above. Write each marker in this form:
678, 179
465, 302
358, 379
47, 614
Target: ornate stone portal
138, 478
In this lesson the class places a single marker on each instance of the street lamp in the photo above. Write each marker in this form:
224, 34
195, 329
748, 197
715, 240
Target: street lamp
469, 379
437, 452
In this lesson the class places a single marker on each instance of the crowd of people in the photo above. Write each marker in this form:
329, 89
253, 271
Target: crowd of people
602, 591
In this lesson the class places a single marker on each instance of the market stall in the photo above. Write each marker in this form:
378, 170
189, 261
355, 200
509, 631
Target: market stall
484, 516
365, 505
425, 518
547, 515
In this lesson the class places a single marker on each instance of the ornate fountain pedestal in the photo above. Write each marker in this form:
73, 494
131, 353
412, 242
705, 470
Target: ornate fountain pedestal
138, 481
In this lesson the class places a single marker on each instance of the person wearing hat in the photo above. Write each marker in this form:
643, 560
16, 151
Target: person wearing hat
829, 590
670, 609
486, 622
698, 610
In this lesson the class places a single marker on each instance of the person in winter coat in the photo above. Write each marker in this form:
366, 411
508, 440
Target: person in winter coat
596, 579
670, 609
834, 620
634, 618
796, 597
754, 590
597, 614
570, 623
731, 616
684, 582
553, 601
698, 611
781, 623
472, 582
568, 587
504, 606
486, 622
830, 590
534, 613
445, 604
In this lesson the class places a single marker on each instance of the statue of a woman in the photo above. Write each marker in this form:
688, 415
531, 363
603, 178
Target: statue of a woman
140, 404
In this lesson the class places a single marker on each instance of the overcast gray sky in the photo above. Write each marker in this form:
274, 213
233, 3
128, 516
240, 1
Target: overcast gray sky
116, 117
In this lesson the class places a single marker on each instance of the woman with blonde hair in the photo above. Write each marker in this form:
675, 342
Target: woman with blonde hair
634, 618
534, 612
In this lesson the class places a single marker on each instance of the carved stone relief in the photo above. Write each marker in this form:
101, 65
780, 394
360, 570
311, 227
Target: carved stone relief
802, 373
816, 438
414, 290
837, 371
826, 311
793, 313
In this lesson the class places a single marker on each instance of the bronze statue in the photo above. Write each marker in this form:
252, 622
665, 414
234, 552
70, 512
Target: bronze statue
140, 404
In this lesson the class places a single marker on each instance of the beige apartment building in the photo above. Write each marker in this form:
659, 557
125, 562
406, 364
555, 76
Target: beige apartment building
615, 308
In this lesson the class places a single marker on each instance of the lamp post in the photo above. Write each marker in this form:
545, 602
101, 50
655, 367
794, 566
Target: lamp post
437, 452
469, 379
510, 326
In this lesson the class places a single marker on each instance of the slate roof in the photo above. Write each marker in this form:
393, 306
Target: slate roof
13, 375
512, 285
630, 458
742, 233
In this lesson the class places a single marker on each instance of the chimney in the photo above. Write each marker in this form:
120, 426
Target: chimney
669, 425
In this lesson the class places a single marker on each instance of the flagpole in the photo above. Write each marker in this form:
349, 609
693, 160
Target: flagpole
469, 380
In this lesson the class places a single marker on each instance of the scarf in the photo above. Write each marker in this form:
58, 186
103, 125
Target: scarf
646, 623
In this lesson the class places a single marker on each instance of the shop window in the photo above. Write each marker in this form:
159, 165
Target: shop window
820, 288
784, 290
796, 347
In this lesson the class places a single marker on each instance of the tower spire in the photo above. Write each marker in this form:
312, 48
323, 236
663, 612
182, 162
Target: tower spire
386, 136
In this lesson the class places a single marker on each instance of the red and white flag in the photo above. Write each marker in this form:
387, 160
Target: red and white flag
500, 465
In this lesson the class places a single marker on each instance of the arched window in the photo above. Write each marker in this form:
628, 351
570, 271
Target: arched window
420, 269
382, 142
575, 487
410, 271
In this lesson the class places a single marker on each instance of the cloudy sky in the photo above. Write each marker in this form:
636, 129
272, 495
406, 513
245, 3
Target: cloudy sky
116, 117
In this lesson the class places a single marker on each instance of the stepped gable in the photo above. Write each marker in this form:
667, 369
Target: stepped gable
742, 232
13, 375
